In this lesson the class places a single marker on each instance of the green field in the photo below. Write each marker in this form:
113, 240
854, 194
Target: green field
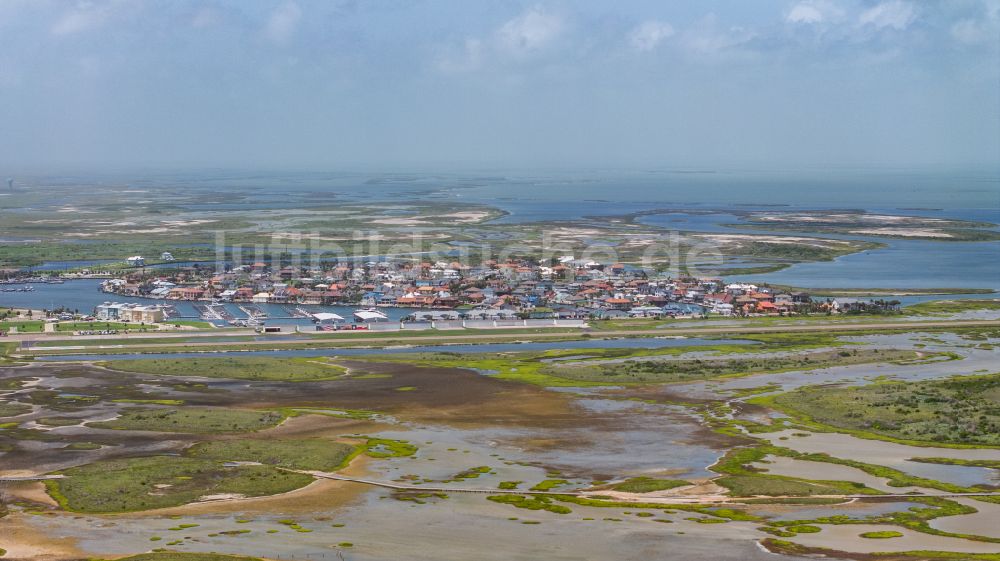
242, 368
742, 479
962, 410
163, 481
169, 337
23, 326
747, 486
102, 326
190, 323
648, 484
304, 454
947, 307
661, 371
196, 420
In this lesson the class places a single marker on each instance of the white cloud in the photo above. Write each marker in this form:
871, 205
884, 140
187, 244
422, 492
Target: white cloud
282, 22
896, 14
529, 31
81, 17
708, 38
814, 11
975, 32
648, 35
804, 12
982, 30
467, 59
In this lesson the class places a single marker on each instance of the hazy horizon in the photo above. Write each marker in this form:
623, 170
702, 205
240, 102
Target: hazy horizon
297, 84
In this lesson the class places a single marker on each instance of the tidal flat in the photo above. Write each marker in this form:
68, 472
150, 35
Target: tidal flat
438, 426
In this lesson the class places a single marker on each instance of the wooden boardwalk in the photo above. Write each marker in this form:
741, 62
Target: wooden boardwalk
673, 499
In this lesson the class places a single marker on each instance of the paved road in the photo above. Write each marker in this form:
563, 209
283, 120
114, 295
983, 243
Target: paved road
460, 336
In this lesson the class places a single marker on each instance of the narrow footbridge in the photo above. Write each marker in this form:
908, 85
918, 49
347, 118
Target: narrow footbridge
428, 488
15, 479
673, 499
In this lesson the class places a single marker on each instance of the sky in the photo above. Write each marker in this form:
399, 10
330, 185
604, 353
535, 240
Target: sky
435, 83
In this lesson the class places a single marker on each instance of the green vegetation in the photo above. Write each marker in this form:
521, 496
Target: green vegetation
915, 518
168, 338
679, 370
948, 307
542, 367
790, 548
23, 326
304, 454
508, 485
648, 484
803, 529
198, 420
185, 556
417, 498
742, 479
747, 486
719, 512
82, 446
798, 337
101, 326
8, 409
190, 323
737, 462
549, 484
961, 410
58, 421
242, 368
532, 502
163, 481
882, 535
471, 473
386, 448
150, 401
991, 464
910, 227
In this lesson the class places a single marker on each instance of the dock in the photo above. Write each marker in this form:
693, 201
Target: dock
252, 311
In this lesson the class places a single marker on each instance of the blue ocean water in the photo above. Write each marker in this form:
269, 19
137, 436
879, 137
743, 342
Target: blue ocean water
702, 200
712, 201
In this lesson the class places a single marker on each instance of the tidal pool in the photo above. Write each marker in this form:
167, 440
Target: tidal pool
847, 537
459, 528
893, 455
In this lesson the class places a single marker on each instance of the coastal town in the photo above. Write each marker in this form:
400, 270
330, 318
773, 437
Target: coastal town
307, 280
519, 289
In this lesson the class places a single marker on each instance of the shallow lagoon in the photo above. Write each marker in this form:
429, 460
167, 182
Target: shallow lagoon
893, 455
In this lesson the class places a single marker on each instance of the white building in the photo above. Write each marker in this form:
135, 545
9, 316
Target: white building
370, 316
136, 261
328, 318
115, 311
